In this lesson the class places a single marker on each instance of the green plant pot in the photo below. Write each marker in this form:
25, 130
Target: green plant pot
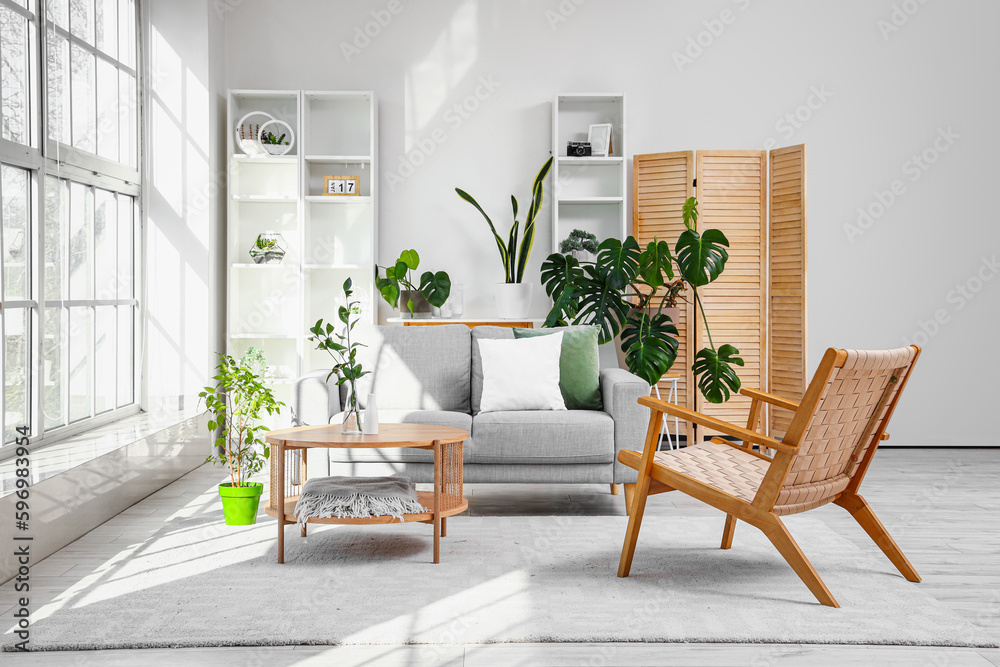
239, 503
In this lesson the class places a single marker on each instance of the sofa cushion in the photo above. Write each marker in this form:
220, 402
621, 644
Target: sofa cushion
543, 437
479, 333
405, 454
579, 364
417, 368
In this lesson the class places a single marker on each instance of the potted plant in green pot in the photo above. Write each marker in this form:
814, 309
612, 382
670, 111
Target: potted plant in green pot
399, 290
237, 404
513, 296
346, 367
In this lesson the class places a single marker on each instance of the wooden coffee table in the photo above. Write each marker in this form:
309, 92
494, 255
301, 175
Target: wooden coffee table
287, 477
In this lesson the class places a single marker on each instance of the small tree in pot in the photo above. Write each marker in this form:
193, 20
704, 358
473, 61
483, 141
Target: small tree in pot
237, 403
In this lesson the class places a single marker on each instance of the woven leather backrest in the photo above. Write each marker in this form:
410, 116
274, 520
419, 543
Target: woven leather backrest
845, 411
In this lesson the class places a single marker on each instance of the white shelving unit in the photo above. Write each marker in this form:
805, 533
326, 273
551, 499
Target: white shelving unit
327, 238
589, 191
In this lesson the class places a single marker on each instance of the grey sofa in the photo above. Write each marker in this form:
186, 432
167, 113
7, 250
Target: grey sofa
433, 375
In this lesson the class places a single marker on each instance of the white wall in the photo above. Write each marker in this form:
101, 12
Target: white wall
183, 322
886, 97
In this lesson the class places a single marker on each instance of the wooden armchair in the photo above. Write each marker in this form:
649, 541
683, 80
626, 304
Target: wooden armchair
822, 458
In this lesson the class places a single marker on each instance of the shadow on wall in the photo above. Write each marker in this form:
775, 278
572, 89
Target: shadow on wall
179, 201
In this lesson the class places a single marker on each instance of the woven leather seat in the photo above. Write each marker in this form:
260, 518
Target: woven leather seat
822, 458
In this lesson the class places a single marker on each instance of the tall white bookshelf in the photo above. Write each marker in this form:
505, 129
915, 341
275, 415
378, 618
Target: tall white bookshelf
589, 192
327, 238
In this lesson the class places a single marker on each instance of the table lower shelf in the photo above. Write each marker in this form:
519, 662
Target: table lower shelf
426, 498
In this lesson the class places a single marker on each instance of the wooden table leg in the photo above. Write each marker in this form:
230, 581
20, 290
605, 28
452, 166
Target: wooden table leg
280, 453
438, 464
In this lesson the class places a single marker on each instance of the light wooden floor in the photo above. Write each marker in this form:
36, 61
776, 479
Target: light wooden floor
941, 505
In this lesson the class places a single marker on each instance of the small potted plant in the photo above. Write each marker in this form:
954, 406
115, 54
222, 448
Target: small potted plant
237, 404
399, 290
344, 351
580, 244
513, 296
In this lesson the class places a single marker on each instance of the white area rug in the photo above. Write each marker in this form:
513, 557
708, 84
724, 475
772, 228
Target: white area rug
196, 582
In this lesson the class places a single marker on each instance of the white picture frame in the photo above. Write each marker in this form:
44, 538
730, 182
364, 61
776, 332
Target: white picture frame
599, 136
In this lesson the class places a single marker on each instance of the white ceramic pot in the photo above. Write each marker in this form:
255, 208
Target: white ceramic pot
513, 300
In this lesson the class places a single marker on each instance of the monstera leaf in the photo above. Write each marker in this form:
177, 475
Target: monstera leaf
715, 374
701, 258
564, 309
558, 272
436, 287
689, 210
656, 261
410, 258
388, 287
618, 262
600, 304
650, 345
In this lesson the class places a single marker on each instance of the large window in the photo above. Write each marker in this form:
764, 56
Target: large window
69, 208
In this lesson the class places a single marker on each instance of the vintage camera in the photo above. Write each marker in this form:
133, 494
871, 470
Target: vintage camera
578, 149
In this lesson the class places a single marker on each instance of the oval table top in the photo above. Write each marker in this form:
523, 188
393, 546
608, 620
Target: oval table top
389, 435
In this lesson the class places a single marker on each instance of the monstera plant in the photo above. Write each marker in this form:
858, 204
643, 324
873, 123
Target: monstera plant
399, 290
624, 292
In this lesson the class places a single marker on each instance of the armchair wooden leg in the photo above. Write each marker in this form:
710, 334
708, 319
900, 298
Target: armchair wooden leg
640, 492
863, 514
727, 533
614, 489
629, 495
787, 547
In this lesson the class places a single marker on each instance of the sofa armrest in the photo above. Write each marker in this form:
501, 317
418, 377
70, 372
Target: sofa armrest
621, 391
315, 401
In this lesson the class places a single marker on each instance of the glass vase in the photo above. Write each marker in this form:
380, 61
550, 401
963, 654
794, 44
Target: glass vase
352, 415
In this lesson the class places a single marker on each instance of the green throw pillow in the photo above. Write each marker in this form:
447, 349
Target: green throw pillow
579, 366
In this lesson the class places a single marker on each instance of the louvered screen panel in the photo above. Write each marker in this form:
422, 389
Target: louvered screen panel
787, 325
732, 197
661, 183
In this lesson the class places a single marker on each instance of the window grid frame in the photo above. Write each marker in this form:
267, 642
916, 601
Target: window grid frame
44, 158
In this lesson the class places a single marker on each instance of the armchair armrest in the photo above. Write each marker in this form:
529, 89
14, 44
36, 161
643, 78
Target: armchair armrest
620, 392
729, 429
778, 401
314, 400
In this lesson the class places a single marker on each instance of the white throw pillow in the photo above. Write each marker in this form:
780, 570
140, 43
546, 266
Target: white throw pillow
521, 374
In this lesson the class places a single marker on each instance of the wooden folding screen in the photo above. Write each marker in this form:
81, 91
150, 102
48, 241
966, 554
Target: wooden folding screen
661, 184
758, 304
787, 281
732, 197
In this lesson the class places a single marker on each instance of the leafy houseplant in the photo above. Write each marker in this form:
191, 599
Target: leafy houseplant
237, 403
270, 139
398, 288
578, 241
618, 290
515, 302
344, 351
